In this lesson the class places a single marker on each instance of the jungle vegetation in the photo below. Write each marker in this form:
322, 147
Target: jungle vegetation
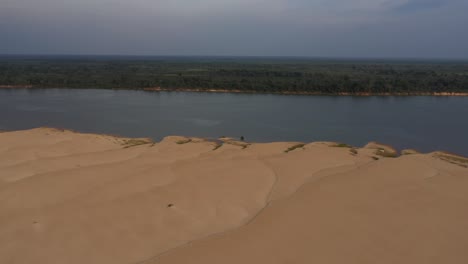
270, 75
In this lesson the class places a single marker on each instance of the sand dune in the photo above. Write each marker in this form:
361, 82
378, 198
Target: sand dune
67, 197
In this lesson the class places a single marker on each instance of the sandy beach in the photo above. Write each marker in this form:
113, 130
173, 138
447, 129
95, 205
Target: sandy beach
234, 91
68, 197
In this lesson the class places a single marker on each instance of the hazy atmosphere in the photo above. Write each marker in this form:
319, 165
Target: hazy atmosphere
331, 28
233, 131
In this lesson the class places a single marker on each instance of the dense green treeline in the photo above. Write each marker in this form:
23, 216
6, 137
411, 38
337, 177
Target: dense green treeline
262, 75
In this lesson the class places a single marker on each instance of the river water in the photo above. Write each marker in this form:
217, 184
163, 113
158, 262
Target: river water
424, 123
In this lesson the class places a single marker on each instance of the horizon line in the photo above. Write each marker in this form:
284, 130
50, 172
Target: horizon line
243, 56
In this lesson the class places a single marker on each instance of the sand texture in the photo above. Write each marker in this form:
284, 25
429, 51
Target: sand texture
67, 197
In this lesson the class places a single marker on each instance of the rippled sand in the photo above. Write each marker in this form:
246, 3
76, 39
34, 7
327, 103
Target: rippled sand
67, 197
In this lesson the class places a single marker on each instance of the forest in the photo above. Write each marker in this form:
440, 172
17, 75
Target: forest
241, 74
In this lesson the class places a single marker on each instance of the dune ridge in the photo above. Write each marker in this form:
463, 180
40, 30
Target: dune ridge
68, 197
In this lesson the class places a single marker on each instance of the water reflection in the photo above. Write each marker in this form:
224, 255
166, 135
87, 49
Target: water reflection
424, 122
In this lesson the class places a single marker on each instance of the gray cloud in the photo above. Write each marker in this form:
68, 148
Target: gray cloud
337, 28
420, 5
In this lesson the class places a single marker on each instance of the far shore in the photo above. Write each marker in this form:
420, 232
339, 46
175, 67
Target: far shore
236, 91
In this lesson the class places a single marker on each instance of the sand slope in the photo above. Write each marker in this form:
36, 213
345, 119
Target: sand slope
67, 197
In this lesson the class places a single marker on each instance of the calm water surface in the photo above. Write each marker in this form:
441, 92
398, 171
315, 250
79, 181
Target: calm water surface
423, 123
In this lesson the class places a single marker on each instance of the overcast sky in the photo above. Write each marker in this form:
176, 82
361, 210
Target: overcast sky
319, 28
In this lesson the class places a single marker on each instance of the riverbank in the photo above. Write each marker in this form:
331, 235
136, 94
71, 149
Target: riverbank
88, 198
306, 93
17, 87
235, 91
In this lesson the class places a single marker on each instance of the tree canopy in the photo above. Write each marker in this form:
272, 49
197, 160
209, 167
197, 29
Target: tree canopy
240, 74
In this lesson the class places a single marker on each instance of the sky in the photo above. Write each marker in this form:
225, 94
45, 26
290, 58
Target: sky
312, 28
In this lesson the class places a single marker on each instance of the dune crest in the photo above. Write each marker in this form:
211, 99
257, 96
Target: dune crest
67, 197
